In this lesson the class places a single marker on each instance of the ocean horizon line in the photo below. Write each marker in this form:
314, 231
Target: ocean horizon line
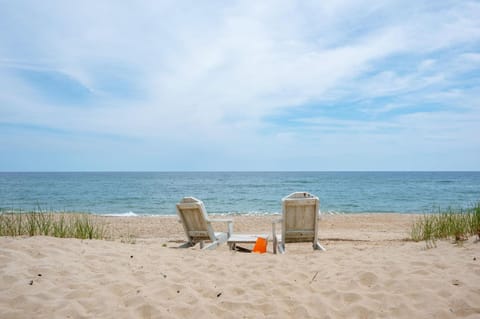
245, 171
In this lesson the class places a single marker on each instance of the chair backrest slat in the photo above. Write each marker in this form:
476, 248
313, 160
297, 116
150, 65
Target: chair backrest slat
300, 217
195, 219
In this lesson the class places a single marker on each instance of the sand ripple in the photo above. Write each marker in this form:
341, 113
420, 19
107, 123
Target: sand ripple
382, 277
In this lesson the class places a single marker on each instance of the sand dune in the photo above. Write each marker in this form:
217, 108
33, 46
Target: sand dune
368, 271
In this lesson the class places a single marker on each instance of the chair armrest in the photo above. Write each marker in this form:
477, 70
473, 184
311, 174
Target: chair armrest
320, 216
229, 224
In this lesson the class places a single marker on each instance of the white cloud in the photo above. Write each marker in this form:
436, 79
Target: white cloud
212, 73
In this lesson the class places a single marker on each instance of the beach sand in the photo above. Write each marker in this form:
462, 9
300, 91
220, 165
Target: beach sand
368, 271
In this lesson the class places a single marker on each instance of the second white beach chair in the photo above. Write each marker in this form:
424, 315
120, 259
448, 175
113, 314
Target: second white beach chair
198, 226
300, 219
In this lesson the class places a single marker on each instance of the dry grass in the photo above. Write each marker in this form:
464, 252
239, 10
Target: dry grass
455, 224
63, 225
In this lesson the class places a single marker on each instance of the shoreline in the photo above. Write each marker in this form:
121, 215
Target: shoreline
132, 214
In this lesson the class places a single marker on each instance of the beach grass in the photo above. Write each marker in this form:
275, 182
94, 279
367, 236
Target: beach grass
40, 223
451, 223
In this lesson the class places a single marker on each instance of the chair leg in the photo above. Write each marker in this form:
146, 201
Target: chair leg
317, 246
212, 245
278, 247
187, 245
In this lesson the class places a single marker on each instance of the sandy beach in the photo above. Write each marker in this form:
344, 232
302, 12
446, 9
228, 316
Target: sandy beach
369, 270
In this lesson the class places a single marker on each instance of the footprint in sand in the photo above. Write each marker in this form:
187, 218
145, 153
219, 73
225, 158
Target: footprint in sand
368, 278
351, 297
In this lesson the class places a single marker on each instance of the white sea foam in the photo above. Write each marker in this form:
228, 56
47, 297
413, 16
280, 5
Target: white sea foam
248, 213
333, 212
129, 214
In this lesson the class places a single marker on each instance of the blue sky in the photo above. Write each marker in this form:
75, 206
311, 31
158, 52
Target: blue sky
239, 85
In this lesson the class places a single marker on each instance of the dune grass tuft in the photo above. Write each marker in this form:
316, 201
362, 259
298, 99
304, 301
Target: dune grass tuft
455, 224
63, 225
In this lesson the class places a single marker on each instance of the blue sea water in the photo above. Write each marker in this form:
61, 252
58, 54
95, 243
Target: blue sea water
155, 193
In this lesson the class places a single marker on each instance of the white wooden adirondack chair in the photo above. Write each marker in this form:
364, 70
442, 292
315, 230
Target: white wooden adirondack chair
197, 225
300, 219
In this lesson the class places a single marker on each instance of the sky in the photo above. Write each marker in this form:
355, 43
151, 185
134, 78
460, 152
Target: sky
239, 85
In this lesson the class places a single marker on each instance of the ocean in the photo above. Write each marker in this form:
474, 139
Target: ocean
156, 193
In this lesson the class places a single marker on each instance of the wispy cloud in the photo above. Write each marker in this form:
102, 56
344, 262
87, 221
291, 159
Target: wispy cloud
242, 85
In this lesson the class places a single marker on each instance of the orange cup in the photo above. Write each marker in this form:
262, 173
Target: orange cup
260, 246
